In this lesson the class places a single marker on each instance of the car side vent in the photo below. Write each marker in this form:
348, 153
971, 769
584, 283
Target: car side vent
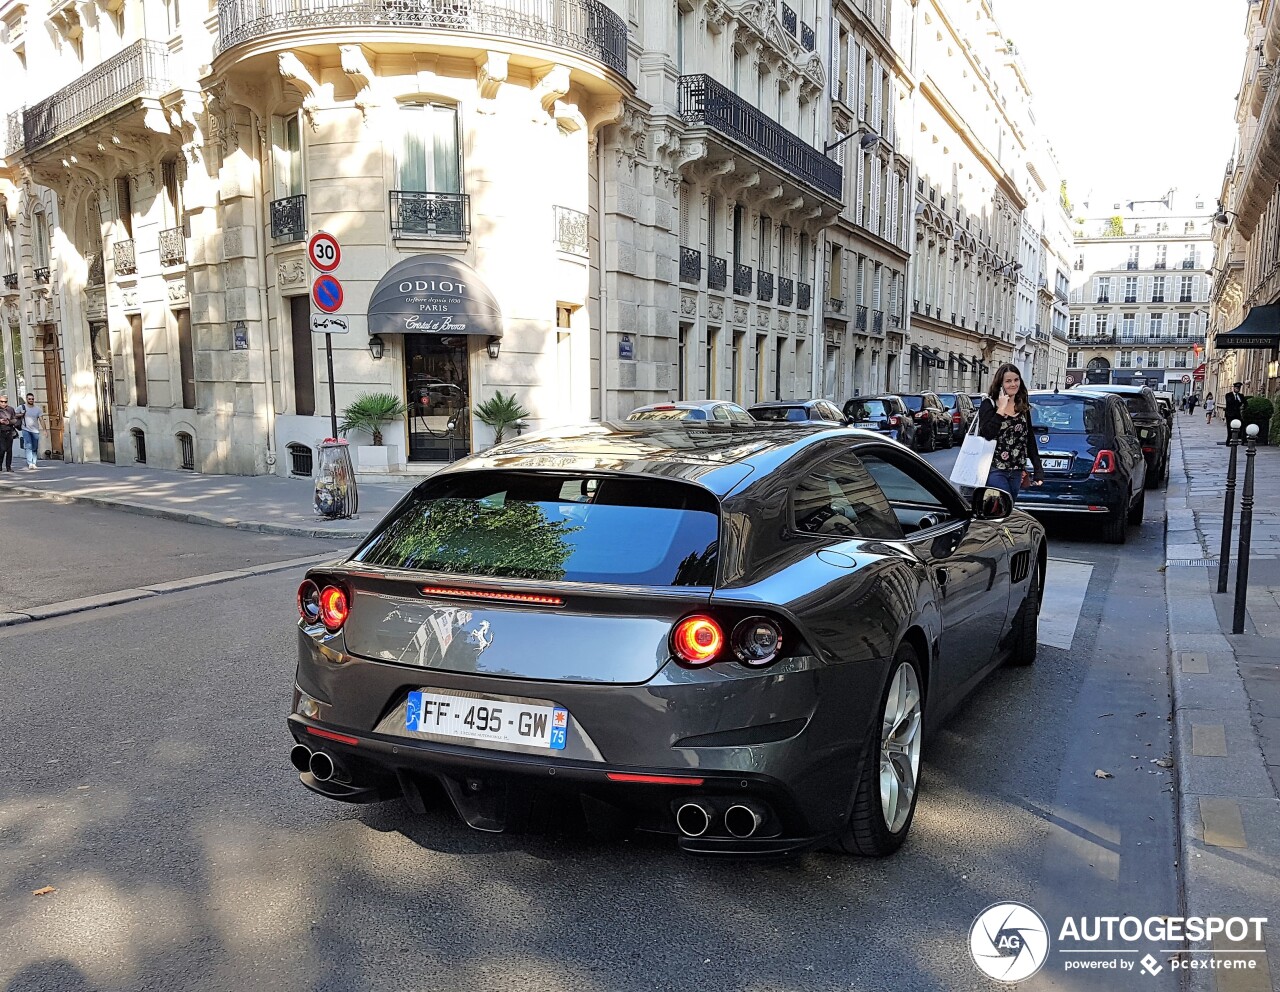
1020, 566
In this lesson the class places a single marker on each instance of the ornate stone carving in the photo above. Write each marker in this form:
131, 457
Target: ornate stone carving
129, 298
291, 271
551, 86
177, 291
632, 131
715, 310
11, 313
296, 72
492, 74
762, 318
739, 313
355, 63
688, 305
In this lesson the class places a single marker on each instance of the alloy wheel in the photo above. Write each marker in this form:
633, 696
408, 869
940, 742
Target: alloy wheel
900, 747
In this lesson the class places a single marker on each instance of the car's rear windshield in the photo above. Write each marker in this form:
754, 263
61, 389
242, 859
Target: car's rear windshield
948, 399
1080, 414
865, 409
679, 413
1140, 405
777, 413
914, 402
554, 526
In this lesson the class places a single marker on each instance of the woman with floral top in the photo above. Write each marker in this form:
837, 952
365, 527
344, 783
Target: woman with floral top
1005, 417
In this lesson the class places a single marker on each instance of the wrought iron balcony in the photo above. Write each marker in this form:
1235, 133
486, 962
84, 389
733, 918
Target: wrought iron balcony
571, 231
835, 304
860, 317
895, 320
703, 101
1061, 295
1188, 263
789, 20
717, 273
173, 247
1185, 298
14, 140
1103, 298
807, 38
126, 258
96, 275
741, 279
786, 291
11, 280
586, 27
1131, 264
141, 70
42, 274
764, 286
804, 296
1131, 298
1158, 299
877, 322
1161, 265
430, 215
690, 266
289, 219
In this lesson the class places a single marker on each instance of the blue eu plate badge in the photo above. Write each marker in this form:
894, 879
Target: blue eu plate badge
559, 727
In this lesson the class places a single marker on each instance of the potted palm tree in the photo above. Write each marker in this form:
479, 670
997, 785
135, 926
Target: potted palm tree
502, 413
368, 415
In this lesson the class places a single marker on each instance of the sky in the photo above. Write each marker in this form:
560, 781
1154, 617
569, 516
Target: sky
1136, 96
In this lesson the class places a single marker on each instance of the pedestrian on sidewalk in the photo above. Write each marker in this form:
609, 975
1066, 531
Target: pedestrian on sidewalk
31, 414
1208, 408
9, 426
1192, 400
1233, 406
1005, 417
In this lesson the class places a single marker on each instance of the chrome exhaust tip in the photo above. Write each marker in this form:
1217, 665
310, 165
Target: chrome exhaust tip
321, 766
693, 819
300, 757
743, 821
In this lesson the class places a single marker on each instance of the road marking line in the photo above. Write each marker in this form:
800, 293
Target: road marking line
1255, 979
1223, 825
1194, 663
1209, 740
1065, 585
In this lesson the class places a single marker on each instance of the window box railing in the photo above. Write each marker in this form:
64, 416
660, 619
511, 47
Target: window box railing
1103, 298
1131, 264
11, 280
877, 322
786, 291
1158, 299
1185, 298
804, 296
126, 258
95, 276
571, 231
717, 273
173, 247
860, 317
789, 20
1130, 299
1161, 265
1188, 263
807, 38
42, 274
289, 219
430, 215
141, 70
895, 320
742, 279
764, 286
835, 304
587, 27
703, 101
690, 266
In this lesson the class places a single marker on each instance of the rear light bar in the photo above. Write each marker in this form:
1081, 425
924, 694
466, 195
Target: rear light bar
652, 779
329, 735
1104, 463
895, 420
955, 417
456, 592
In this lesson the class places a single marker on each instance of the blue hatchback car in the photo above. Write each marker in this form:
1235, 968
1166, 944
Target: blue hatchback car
1092, 459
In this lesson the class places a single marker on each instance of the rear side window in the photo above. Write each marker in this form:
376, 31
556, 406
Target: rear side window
1069, 413
865, 410
555, 527
841, 500
1141, 405
674, 414
915, 403
773, 414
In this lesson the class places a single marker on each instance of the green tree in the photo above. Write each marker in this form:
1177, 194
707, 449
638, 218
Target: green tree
369, 412
1114, 228
501, 413
1063, 198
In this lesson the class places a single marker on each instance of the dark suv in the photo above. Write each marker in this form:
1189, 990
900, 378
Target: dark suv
932, 420
1153, 427
962, 413
885, 414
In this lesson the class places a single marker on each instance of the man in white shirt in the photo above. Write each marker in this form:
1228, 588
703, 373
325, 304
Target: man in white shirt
31, 414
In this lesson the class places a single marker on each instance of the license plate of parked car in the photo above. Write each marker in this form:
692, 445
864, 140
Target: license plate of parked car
1054, 463
493, 720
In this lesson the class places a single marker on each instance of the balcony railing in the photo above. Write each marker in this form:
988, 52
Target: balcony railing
96, 276
571, 230
804, 296
707, 102
1103, 298
289, 219
141, 70
690, 265
717, 273
1157, 299
860, 317
877, 322
42, 274
1131, 298
126, 258
430, 215
807, 38
1131, 264
1188, 263
835, 304
173, 247
1161, 265
587, 27
786, 291
1092, 339
14, 140
895, 320
1060, 295
764, 286
789, 20
11, 280
741, 279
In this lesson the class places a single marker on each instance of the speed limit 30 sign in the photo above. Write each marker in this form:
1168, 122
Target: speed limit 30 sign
323, 251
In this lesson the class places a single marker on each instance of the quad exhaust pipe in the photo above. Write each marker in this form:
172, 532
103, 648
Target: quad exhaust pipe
742, 820
319, 764
694, 819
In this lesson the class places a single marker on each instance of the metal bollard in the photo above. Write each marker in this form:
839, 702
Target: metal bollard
1228, 507
1246, 532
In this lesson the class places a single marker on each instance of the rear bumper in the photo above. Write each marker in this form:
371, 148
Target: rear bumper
1088, 497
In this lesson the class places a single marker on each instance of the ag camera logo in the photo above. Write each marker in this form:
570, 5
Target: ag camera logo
1009, 942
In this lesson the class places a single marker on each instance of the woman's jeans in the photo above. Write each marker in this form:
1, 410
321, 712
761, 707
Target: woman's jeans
31, 443
1010, 482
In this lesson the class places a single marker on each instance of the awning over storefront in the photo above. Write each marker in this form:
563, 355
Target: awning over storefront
1260, 330
433, 294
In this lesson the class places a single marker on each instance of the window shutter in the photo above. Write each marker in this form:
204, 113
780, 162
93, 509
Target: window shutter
876, 93
858, 213
862, 83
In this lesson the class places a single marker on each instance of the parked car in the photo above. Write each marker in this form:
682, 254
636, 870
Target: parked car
932, 420
962, 412
721, 410
1092, 459
798, 411
738, 639
886, 414
976, 399
1154, 429
1166, 404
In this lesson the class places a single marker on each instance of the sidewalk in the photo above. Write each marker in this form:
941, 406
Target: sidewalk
1226, 693
263, 503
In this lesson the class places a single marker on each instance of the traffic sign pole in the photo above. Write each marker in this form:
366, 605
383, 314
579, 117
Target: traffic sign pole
333, 399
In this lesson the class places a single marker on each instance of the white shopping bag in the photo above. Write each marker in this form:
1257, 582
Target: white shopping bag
974, 461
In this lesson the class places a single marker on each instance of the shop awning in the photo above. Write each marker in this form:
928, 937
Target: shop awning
433, 294
1260, 330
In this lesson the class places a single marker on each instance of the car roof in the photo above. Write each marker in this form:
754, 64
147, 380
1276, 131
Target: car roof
685, 405
774, 404
717, 456
1118, 388
1089, 392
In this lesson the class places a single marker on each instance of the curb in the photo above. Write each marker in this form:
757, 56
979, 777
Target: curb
193, 517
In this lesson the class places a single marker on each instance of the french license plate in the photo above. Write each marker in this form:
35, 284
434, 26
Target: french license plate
493, 720
867, 425
1054, 463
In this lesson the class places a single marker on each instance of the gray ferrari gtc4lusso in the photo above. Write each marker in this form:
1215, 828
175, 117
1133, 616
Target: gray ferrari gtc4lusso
739, 636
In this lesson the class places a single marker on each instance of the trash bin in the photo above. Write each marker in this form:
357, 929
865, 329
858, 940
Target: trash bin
336, 496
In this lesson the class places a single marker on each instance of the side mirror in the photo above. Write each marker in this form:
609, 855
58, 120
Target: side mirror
990, 503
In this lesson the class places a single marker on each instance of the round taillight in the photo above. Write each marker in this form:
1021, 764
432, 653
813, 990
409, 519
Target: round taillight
309, 601
756, 641
333, 607
697, 640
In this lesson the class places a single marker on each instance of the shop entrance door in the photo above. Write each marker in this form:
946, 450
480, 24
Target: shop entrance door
55, 399
438, 391
105, 388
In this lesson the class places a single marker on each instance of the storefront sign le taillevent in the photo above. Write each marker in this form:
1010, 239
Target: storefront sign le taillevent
433, 294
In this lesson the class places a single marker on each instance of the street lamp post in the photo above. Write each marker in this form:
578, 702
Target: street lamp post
1228, 508
1246, 533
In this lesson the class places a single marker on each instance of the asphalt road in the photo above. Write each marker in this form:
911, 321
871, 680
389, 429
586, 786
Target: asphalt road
146, 779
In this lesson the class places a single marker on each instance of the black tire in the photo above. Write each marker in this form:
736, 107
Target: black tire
930, 442
1115, 529
1138, 510
867, 834
950, 439
1154, 474
1026, 622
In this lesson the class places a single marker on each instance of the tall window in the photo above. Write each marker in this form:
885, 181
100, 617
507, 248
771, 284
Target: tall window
1073, 359
1133, 256
784, 251
139, 360
835, 287
429, 155
778, 347
1184, 325
1131, 289
1153, 359
124, 207
802, 273
1127, 322
712, 334
304, 374
1099, 323
1156, 326
172, 193
1157, 289
682, 363
735, 384
739, 219
40, 235
186, 359
766, 244
713, 224
1073, 326
685, 210
287, 139
1184, 289
1162, 256
173, 15
1126, 359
